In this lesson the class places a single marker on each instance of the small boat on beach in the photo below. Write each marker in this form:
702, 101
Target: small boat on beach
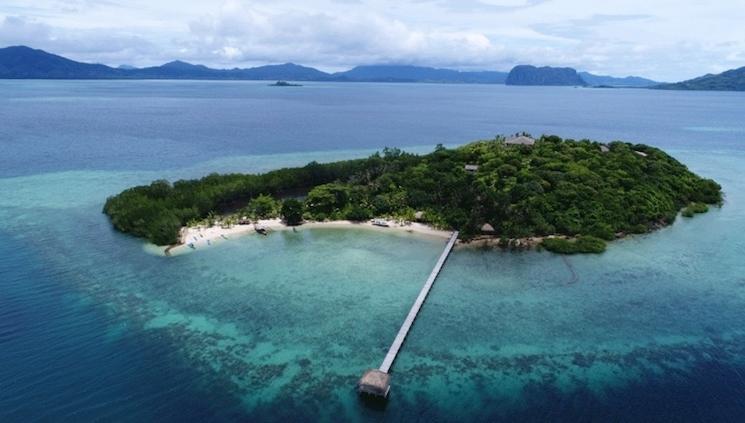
380, 222
261, 230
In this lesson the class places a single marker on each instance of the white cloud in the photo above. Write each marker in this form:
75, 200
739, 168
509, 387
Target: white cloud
92, 45
664, 39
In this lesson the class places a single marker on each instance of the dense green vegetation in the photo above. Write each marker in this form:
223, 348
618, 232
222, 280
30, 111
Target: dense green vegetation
695, 208
581, 244
564, 187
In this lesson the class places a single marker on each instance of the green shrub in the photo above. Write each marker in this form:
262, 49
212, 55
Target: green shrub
602, 231
589, 244
639, 229
357, 213
292, 212
582, 244
263, 207
695, 208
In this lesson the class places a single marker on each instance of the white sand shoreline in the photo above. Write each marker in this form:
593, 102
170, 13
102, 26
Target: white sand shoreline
196, 238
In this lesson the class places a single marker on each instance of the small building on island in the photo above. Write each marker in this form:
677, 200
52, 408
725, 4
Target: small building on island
520, 140
471, 168
487, 229
604, 148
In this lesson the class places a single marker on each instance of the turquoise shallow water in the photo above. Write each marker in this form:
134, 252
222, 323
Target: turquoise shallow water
280, 328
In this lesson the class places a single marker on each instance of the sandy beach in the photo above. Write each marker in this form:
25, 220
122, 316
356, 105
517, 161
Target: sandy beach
196, 238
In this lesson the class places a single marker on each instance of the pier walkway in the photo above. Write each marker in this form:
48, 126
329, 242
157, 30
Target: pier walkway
377, 381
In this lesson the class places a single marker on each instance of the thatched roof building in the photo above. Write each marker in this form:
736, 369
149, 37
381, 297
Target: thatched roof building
375, 382
487, 228
520, 140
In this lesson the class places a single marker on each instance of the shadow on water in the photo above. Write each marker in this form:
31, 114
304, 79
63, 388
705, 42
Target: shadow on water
373, 403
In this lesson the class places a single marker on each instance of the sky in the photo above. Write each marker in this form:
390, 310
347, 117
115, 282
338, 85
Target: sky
667, 40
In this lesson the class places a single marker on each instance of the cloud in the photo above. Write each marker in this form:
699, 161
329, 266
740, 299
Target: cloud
486, 6
16, 30
91, 45
239, 33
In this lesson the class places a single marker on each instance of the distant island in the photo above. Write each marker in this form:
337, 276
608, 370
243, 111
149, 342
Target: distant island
20, 62
531, 75
731, 80
564, 195
284, 84
605, 81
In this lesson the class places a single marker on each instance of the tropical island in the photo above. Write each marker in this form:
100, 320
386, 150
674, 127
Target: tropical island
531, 75
568, 196
284, 84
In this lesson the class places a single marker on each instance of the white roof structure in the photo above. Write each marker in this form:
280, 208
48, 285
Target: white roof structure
521, 140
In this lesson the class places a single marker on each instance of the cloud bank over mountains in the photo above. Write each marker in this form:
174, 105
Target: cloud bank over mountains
666, 40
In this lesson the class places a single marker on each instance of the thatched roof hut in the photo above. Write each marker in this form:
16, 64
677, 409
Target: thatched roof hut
487, 228
419, 215
375, 382
520, 140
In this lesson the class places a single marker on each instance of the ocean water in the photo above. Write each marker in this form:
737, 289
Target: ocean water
95, 328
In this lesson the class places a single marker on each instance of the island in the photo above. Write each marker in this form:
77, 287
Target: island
546, 75
731, 80
284, 84
566, 196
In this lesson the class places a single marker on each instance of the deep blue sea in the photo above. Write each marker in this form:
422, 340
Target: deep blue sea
94, 327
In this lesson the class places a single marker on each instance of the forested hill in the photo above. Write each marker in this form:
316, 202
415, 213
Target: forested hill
731, 80
555, 186
531, 75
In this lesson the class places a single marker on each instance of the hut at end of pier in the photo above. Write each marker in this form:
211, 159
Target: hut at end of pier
375, 382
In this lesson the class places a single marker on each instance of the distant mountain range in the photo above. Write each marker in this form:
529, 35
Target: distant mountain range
26, 63
610, 81
731, 80
20, 62
393, 73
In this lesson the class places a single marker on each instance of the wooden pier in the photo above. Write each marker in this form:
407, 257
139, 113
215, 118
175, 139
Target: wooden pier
377, 381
